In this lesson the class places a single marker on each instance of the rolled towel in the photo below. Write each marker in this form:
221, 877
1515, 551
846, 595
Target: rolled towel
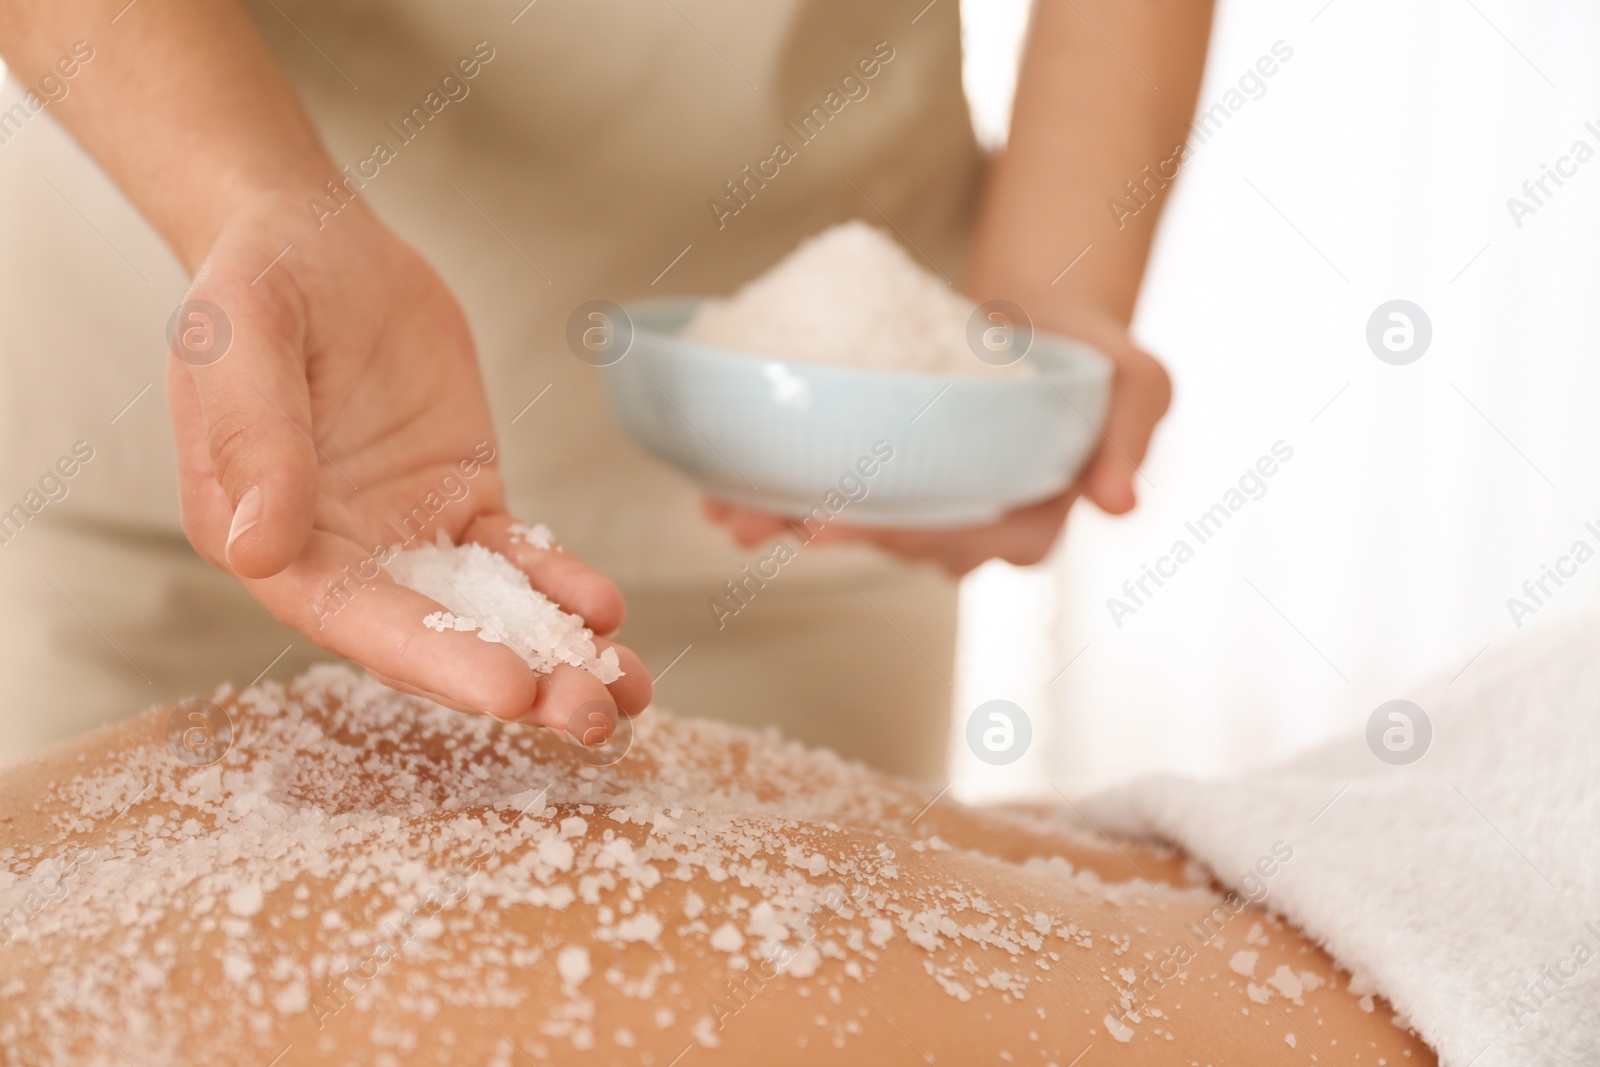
1458, 873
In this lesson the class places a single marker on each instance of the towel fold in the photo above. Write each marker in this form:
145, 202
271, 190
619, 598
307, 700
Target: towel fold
1464, 884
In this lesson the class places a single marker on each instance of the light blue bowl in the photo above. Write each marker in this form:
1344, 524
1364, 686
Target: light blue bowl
781, 436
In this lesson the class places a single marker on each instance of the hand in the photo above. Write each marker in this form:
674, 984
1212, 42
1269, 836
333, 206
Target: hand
1140, 394
350, 398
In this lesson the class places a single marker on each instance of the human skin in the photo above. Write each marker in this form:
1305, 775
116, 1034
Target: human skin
361, 787
351, 386
1086, 120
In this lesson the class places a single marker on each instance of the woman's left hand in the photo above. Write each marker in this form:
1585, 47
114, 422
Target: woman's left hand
1140, 394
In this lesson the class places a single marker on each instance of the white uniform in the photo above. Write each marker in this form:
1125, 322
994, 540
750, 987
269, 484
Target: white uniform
609, 149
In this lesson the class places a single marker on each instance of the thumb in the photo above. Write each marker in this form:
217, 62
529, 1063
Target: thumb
1141, 391
242, 418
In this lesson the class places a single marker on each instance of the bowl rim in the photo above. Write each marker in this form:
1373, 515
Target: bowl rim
1080, 361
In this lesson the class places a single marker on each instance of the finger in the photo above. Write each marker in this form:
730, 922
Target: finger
203, 508
259, 467
574, 585
327, 595
1023, 537
634, 690
566, 696
748, 528
573, 700
1141, 392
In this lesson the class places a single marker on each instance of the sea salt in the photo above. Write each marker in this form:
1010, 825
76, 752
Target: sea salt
849, 295
1286, 982
245, 900
640, 927
485, 593
538, 535
727, 938
572, 963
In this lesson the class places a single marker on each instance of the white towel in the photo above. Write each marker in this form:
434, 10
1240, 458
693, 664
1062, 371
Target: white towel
1465, 885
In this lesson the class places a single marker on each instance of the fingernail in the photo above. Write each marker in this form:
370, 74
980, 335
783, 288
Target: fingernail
245, 518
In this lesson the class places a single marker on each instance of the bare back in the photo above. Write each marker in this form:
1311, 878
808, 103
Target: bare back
365, 877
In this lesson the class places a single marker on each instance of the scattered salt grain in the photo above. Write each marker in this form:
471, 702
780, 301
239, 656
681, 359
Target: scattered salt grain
291, 999
483, 591
1244, 963
538, 535
572, 963
849, 295
642, 927
245, 900
1286, 982
1118, 1030
557, 853
705, 1032
804, 963
727, 938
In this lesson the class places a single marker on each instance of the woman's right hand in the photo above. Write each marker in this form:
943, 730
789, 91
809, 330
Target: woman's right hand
346, 403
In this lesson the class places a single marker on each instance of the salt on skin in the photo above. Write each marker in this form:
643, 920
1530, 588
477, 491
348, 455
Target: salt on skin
572, 963
245, 900
393, 879
485, 593
538, 535
727, 938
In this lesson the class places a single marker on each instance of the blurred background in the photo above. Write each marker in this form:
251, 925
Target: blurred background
1375, 165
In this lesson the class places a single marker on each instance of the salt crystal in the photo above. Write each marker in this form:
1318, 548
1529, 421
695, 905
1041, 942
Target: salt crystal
642, 927
538, 535
237, 969
804, 963
727, 938
245, 900
556, 853
1286, 982
483, 591
291, 999
705, 1032
572, 963
1117, 1030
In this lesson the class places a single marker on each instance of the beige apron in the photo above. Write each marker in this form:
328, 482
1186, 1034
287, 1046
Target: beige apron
616, 149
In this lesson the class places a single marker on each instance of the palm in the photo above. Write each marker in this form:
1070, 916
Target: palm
351, 398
